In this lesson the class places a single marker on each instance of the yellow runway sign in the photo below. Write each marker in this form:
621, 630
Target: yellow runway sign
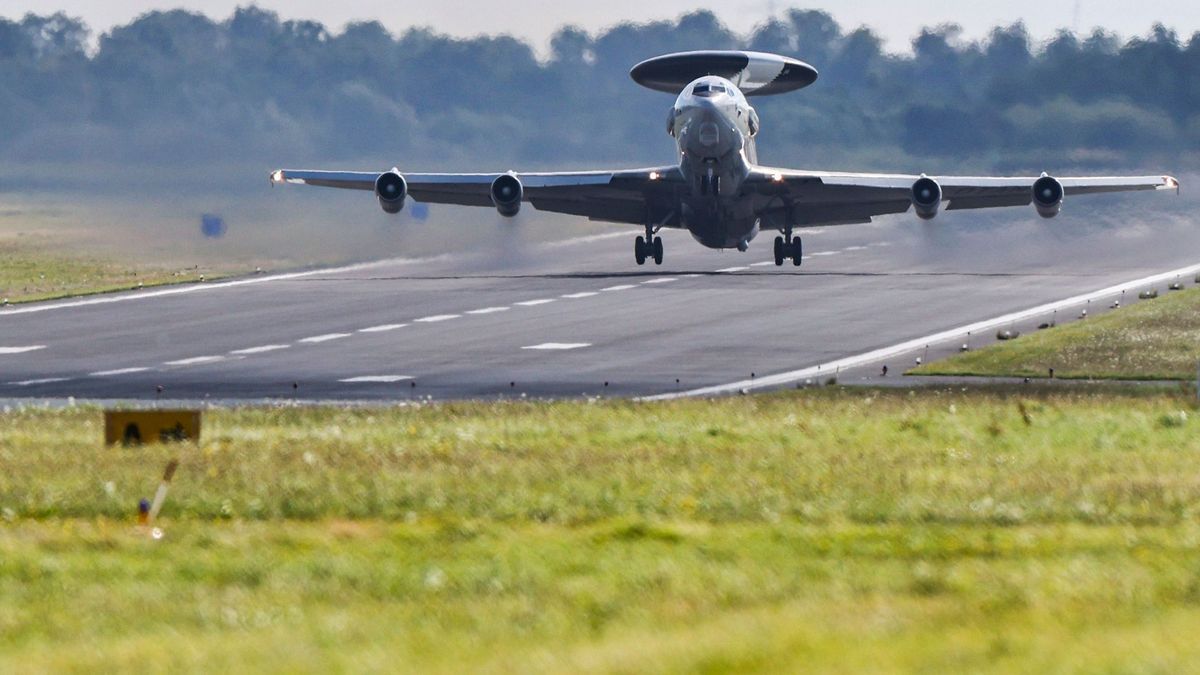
138, 427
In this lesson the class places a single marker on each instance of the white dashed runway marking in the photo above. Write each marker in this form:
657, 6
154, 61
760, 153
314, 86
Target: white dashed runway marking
764, 264
438, 318
622, 287
535, 303
195, 361
558, 346
47, 380
119, 371
732, 269
383, 329
488, 310
824, 253
376, 379
259, 350
577, 296
21, 350
665, 280
317, 339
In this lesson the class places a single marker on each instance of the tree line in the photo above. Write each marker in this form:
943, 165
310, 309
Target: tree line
175, 88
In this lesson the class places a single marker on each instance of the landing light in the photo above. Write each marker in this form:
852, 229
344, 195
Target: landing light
277, 177
778, 178
654, 175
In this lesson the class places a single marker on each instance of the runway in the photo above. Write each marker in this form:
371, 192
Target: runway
568, 319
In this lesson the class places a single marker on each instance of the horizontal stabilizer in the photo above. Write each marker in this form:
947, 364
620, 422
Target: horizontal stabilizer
755, 73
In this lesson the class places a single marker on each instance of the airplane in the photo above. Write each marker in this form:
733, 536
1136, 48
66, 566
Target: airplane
717, 191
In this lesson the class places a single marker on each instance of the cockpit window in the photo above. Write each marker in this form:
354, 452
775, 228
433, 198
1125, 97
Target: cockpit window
709, 90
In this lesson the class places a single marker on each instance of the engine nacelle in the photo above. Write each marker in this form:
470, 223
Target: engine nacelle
507, 194
391, 189
926, 198
1048, 196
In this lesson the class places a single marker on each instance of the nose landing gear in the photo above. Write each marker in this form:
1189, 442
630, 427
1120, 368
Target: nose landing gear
648, 247
788, 247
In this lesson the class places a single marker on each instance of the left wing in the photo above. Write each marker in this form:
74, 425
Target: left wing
823, 198
634, 196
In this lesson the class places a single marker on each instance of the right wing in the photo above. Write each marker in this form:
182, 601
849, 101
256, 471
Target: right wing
634, 196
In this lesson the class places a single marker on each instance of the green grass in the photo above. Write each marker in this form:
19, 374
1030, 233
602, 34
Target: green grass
35, 270
831, 531
1152, 340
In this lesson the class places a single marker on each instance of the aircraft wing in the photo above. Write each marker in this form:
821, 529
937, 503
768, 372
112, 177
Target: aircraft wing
627, 196
825, 198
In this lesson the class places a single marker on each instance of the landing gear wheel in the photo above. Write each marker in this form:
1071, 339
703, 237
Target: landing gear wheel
658, 251
779, 256
797, 251
639, 250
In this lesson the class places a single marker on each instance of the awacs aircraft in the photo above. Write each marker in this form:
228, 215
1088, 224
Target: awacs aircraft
717, 191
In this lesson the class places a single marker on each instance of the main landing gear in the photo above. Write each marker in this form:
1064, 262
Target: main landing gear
788, 247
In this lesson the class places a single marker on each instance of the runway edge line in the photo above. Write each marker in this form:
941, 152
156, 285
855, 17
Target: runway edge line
917, 343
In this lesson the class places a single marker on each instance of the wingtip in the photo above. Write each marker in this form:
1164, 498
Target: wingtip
1171, 183
277, 177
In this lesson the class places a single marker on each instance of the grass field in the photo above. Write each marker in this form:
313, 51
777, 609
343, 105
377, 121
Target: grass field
829, 531
35, 268
1151, 340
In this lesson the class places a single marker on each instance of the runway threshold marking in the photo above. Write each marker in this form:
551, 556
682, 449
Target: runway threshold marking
118, 371
488, 310
195, 361
376, 379
915, 344
383, 329
558, 346
438, 318
535, 303
259, 350
329, 337
21, 350
44, 380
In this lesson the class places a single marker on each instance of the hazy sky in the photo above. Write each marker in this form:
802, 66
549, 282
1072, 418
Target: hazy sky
535, 20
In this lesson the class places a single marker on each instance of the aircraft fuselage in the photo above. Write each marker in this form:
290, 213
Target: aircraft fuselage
714, 129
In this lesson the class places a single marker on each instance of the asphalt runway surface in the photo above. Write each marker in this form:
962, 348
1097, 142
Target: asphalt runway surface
577, 318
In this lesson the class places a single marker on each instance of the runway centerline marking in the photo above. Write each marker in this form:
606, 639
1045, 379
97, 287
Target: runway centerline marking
728, 270
577, 296
259, 350
915, 344
763, 264
119, 371
195, 361
558, 346
622, 287
376, 379
855, 248
438, 318
21, 350
535, 303
44, 380
318, 339
664, 280
824, 253
488, 310
383, 329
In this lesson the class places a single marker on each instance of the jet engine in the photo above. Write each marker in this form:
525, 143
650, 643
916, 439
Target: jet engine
1048, 196
926, 198
391, 189
507, 194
